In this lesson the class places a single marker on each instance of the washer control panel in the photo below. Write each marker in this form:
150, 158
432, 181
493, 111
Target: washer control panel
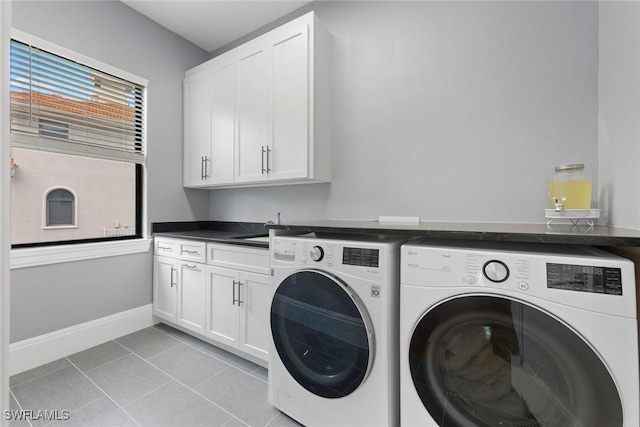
365, 259
496, 271
316, 253
577, 276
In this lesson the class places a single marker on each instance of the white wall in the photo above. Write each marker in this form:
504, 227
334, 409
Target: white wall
619, 112
446, 110
49, 298
5, 202
104, 190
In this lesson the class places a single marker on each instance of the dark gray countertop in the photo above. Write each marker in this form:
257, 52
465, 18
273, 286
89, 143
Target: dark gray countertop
213, 232
557, 233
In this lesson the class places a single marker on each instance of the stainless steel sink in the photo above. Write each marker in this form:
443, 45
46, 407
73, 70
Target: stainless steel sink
256, 239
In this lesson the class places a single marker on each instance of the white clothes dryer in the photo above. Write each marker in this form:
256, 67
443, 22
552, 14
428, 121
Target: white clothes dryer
517, 335
333, 359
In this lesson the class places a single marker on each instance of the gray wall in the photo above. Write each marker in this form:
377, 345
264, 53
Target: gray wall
619, 112
446, 111
52, 297
49, 298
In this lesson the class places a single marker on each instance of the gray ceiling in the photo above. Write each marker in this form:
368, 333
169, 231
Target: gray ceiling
211, 24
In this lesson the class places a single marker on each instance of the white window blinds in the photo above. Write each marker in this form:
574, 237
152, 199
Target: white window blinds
63, 106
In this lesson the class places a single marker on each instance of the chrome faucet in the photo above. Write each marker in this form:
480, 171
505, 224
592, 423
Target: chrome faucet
270, 222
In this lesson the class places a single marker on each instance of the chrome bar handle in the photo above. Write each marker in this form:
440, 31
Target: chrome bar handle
234, 293
268, 151
171, 279
239, 294
202, 168
206, 167
262, 158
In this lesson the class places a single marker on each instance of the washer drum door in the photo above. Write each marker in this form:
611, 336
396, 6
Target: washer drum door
493, 361
322, 333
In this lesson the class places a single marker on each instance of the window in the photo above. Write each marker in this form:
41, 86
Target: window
79, 124
60, 208
51, 129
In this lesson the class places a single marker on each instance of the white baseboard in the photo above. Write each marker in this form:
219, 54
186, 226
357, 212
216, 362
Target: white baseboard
33, 352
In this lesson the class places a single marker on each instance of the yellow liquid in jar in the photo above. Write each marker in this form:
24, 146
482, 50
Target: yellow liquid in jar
572, 194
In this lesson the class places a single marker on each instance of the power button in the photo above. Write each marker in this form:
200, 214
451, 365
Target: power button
470, 279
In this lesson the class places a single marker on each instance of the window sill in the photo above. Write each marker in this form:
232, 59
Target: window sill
33, 257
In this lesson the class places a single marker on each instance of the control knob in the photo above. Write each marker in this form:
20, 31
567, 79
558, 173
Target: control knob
316, 253
496, 271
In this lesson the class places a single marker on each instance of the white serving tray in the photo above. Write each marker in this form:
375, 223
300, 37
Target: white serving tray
573, 215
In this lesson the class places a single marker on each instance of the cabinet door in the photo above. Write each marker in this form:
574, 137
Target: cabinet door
165, 289
221, 305
252, 116
221, 166
254, 314
290, 102
197, 127
191, 296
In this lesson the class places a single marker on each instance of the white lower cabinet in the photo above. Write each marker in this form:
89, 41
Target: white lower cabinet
238, 309
238, 298
165, 288
254, 310
220, 292
179, 273
222, 312
191, 290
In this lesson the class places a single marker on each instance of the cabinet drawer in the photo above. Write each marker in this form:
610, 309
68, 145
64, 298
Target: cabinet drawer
238, 257
193, 251
165, 247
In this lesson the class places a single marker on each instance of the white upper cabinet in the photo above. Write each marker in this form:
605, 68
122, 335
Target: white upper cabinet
290, 99
270, 113
222, 124
197, 137
209, 103
252, 115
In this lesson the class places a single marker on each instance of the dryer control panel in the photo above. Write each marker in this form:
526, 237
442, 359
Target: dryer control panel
371, 260
364, 257
575, 276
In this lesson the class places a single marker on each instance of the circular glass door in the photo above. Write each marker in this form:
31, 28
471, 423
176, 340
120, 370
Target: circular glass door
494, 361
321, 333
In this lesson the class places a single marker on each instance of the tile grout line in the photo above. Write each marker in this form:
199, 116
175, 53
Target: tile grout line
183, 384
43, 375
196, 347
236, 418
106, 363
77, 409
214, 375
163, 351
217, 358
19, 405
104, 392
271, 420
186, 386
179, 341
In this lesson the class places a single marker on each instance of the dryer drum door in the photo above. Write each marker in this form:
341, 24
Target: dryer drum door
488, 361
322, 334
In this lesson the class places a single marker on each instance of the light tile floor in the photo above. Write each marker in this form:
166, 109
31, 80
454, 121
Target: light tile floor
155, 377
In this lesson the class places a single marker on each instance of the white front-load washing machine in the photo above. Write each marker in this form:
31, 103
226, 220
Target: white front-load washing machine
517, 335
333, 359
